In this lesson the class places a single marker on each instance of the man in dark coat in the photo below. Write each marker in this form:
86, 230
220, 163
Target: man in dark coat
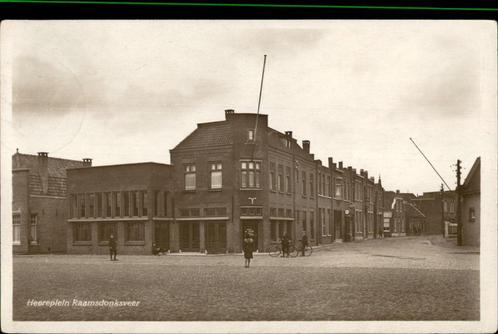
304, 242
285, 245
112, 247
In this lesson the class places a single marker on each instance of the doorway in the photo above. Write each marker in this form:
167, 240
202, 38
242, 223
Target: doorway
216, 237
189, 237
161, 235
253, 225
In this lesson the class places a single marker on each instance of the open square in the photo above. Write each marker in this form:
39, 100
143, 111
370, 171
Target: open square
408, 278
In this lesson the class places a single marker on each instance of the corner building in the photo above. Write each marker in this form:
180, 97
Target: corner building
232, 175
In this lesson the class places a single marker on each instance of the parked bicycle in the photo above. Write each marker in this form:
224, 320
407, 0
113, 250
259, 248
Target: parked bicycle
276, 250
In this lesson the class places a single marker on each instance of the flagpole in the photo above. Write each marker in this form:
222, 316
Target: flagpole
259, 100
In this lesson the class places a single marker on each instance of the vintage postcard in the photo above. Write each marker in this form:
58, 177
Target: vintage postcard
249, 176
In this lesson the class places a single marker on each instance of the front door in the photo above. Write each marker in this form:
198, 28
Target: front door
161, 235
253, 225
189, 237
337, 224
216, 237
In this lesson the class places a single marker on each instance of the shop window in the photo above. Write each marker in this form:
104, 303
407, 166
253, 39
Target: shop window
135, 231
105, 230
82, 232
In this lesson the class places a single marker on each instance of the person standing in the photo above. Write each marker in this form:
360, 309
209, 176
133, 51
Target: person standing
113, 247
285, 245
304, 242
248, 247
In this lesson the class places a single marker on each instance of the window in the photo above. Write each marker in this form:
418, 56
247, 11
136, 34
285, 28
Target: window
126, 199
280, 178
304, 184
273, 212
156, 203
16, 229
338, 188
472, 215
312, 186
250, 174
134, 203
33, 228
281, 212
288, 213
82, 232
190, 212
216, 175
165, 204
322, 222
189, 171
215, 212
452, 207
99, 204
357, 192
273, 180
312, 224
145, 202
82, 205
117, 204
91, 205
134, 231
105, 231
320, 184
108, 204
288, 180
251, 211
305, 227
328, 187
250, 135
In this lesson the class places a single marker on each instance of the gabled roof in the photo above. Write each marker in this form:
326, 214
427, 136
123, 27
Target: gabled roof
208, 134
473, 180
56, 166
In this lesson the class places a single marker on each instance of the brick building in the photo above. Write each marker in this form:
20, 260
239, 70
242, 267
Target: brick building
131, 201
471, 206
394, 214
438, 208
39, 202
230, 177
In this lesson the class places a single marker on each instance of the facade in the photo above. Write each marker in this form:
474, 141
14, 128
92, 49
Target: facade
470, 193
439, 209
231, 175
225, 177
39, 202
394, 214
132, 201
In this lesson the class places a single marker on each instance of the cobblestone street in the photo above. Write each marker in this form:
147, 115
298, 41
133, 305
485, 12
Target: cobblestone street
410, 278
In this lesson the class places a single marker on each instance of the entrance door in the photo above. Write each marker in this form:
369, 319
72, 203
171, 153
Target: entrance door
216, 237
337, 224
189, 237
161, 235
251, 224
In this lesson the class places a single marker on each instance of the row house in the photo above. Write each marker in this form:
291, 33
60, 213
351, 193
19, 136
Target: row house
39, 193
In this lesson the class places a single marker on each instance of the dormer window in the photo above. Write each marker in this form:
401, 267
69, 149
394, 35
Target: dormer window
250, 135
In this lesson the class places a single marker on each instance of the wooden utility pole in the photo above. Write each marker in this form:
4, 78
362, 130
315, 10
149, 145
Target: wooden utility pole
442, 211
458, 203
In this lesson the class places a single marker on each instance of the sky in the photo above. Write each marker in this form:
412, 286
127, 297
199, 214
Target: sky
129, 91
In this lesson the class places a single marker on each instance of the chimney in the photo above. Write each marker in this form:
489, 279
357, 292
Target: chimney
331, 163
340, 165
372, 179
43, 170
87, 162
397, 191
228, 113
306, 146
366, 173
288, 133
361, 172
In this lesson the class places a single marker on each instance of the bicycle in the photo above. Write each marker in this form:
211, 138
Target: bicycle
276, 250
308, 250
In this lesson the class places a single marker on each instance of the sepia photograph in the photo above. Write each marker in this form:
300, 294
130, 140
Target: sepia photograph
249, 176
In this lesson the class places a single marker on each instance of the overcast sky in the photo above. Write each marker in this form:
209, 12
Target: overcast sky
128, 91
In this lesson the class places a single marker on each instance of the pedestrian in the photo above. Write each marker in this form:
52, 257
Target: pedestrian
285, 245
156, 250
248, 248
304, 242
112, 247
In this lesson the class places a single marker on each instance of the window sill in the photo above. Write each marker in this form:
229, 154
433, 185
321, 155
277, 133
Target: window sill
188, 191
252, 189
215, 190
16, 243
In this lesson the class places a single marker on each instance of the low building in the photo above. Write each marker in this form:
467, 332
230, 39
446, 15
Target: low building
134, 202
39, 202
394, 214
438, 208
470, 192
